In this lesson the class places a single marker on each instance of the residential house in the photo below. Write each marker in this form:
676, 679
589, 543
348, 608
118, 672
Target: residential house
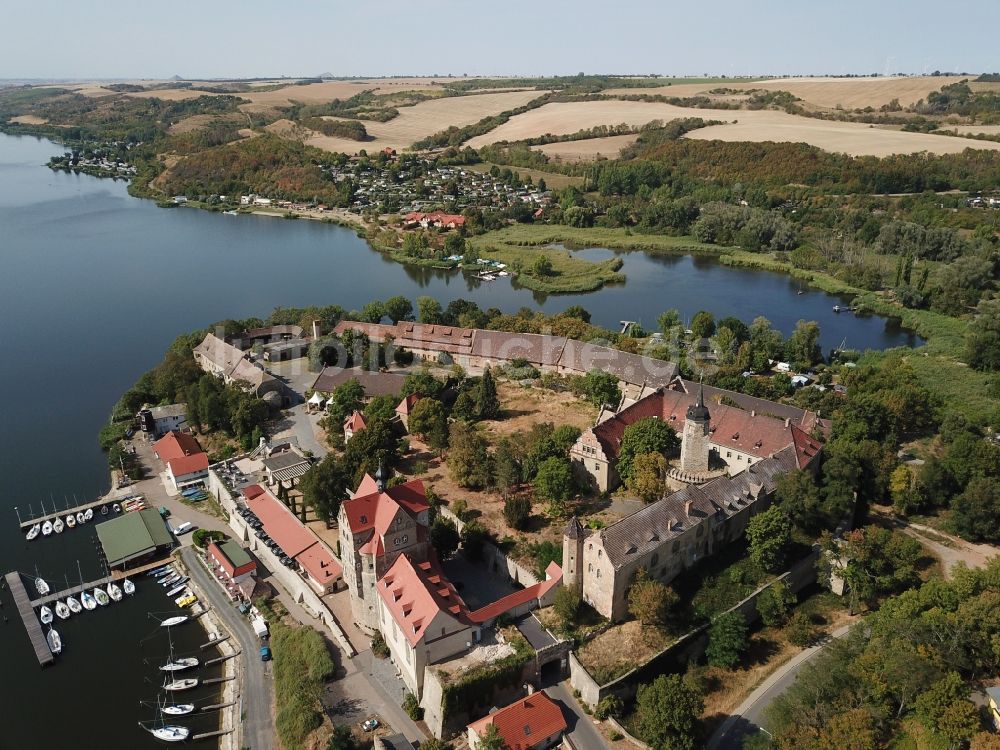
186, 463
353, 424
232, 565
159, 420
535, 722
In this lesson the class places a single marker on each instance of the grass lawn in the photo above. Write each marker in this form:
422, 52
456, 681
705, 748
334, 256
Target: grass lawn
622, 648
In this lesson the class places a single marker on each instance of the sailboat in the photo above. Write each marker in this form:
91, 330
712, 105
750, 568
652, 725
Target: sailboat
176, 686
41, 586
128, 587
79, 517
179, 709
55, 642
46, 528
169, 733
114, 591
70, 521
104, 510
117, 508
45, 615
34, 531
171, 621
58, 526
88, 514
102, 598
179, 665
73, 604
62, 611
89, 602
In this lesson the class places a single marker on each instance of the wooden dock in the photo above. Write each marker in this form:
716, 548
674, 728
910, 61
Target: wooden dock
82, 507
221, 659
214, 641
217, 706
209, 735
30, 619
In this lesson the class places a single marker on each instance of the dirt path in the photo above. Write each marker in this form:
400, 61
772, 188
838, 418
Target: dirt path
949, 549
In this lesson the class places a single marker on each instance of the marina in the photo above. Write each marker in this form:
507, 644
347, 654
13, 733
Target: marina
31, 623
75, 510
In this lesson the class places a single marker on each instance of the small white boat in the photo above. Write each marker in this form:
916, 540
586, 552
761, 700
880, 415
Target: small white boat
62, 611
45, 615
73, 604
46, 528
34, 531
170, 733
177, 589
178, 685
116, 508
41, 586
179, 710
89, 602
114, 592
88, 514
170, 580
104, 510
58, 526
55, 642
80, 517
70, 521
171, 621
128, 587
163, 572
179, 665
102, 598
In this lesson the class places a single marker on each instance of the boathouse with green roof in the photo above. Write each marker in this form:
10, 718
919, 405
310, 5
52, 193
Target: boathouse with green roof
133, 538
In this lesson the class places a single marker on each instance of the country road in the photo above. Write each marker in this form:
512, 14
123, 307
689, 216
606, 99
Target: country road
256, 686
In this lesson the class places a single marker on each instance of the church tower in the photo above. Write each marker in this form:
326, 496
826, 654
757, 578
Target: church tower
695, 440
572, 561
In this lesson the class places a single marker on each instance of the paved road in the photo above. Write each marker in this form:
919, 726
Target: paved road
582, 732
258, 726
749, 717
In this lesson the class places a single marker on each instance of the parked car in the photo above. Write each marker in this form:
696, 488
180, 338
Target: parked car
265, 653
369, 725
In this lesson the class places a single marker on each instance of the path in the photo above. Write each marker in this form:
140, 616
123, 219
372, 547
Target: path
949, 549
582, 732
258, 726
748, 718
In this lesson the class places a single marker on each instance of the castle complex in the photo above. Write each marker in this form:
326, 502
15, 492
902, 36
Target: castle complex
730, 461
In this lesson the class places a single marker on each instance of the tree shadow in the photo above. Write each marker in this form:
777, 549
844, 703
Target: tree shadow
759, 652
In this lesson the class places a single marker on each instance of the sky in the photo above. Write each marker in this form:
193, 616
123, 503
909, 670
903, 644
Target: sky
59, 39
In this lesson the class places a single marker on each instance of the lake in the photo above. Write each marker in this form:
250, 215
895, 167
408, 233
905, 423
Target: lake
95, 285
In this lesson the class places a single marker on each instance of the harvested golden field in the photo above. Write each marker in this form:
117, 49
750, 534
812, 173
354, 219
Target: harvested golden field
196, 122
762, 125
973, 129
426, 118
588, 149
286, 129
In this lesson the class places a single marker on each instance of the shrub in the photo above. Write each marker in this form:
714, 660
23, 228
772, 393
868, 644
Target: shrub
379, 647
774, 604
800, 630
727, 639
567, 605
615, 735
517, 511
203, 537
610, 706
412, 707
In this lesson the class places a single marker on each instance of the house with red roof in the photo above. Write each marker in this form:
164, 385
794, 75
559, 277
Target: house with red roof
376, 526
404, 408
435, 219
422, 618
185, 462
535, 722
353, 424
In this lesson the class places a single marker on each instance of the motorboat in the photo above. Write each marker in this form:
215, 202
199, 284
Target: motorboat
70, 521
116, 508
163, 572
41, 586
179, 665
55, 642
46, 528
177, 589
180, 709
62, 611
170, 733
102, 597
179, 582
45, 615
89, 602
177, 686
114, 591
171, 621
128, 587
73, 604
170, 580
88, 514
80, 518
34, 531
158, 571
58, 526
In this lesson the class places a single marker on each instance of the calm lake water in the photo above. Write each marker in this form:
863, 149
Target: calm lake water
94, 285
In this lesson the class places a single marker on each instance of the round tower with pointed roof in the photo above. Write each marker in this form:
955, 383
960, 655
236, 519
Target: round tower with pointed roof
695, 442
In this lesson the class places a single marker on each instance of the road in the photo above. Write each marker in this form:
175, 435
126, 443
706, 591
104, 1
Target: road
258, 726
748, 718
582, 732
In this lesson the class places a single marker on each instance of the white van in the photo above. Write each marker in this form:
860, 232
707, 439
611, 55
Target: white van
184, 528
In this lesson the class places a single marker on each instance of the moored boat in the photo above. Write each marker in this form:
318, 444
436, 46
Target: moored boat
73, 604
158, 571
104, 510
34, 531
88, 601
128, 587
170, 733
58, 526
102, 597
177, 686
171, 621
88, 514
116, 508
41, 586
70, 521
62, 611
177, 589
80, 518
179, 665
170, 580
46, 528
114, 592
45, 615
178, 710
55, 642
186, 601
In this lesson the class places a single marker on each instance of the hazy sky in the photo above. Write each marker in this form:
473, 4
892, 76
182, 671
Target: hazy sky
142, 39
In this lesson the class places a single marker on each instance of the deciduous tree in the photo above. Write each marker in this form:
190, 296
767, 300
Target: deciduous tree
727, 639
769, 535
647, 435
649, 601
667, 711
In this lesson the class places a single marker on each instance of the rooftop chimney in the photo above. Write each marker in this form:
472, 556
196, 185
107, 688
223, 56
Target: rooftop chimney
687, 507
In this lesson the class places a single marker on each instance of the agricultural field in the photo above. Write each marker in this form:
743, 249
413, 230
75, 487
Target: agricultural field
588, 148
561, 118
973, 129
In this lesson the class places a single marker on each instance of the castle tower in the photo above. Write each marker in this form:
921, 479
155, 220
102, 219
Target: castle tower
695, 440
572, 561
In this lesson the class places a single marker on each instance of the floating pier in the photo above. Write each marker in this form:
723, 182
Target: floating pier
31, 623
217, 706
221, 659
91, 585
209, 735
83, 507
214, 641
216, 680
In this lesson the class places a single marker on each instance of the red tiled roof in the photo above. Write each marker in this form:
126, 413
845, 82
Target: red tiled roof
524, 723
363, 509
185, 465
368, 486
175, 445
806, 449
295, 540
435, 216
355, 422
415, 593
553, 576
407, 404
